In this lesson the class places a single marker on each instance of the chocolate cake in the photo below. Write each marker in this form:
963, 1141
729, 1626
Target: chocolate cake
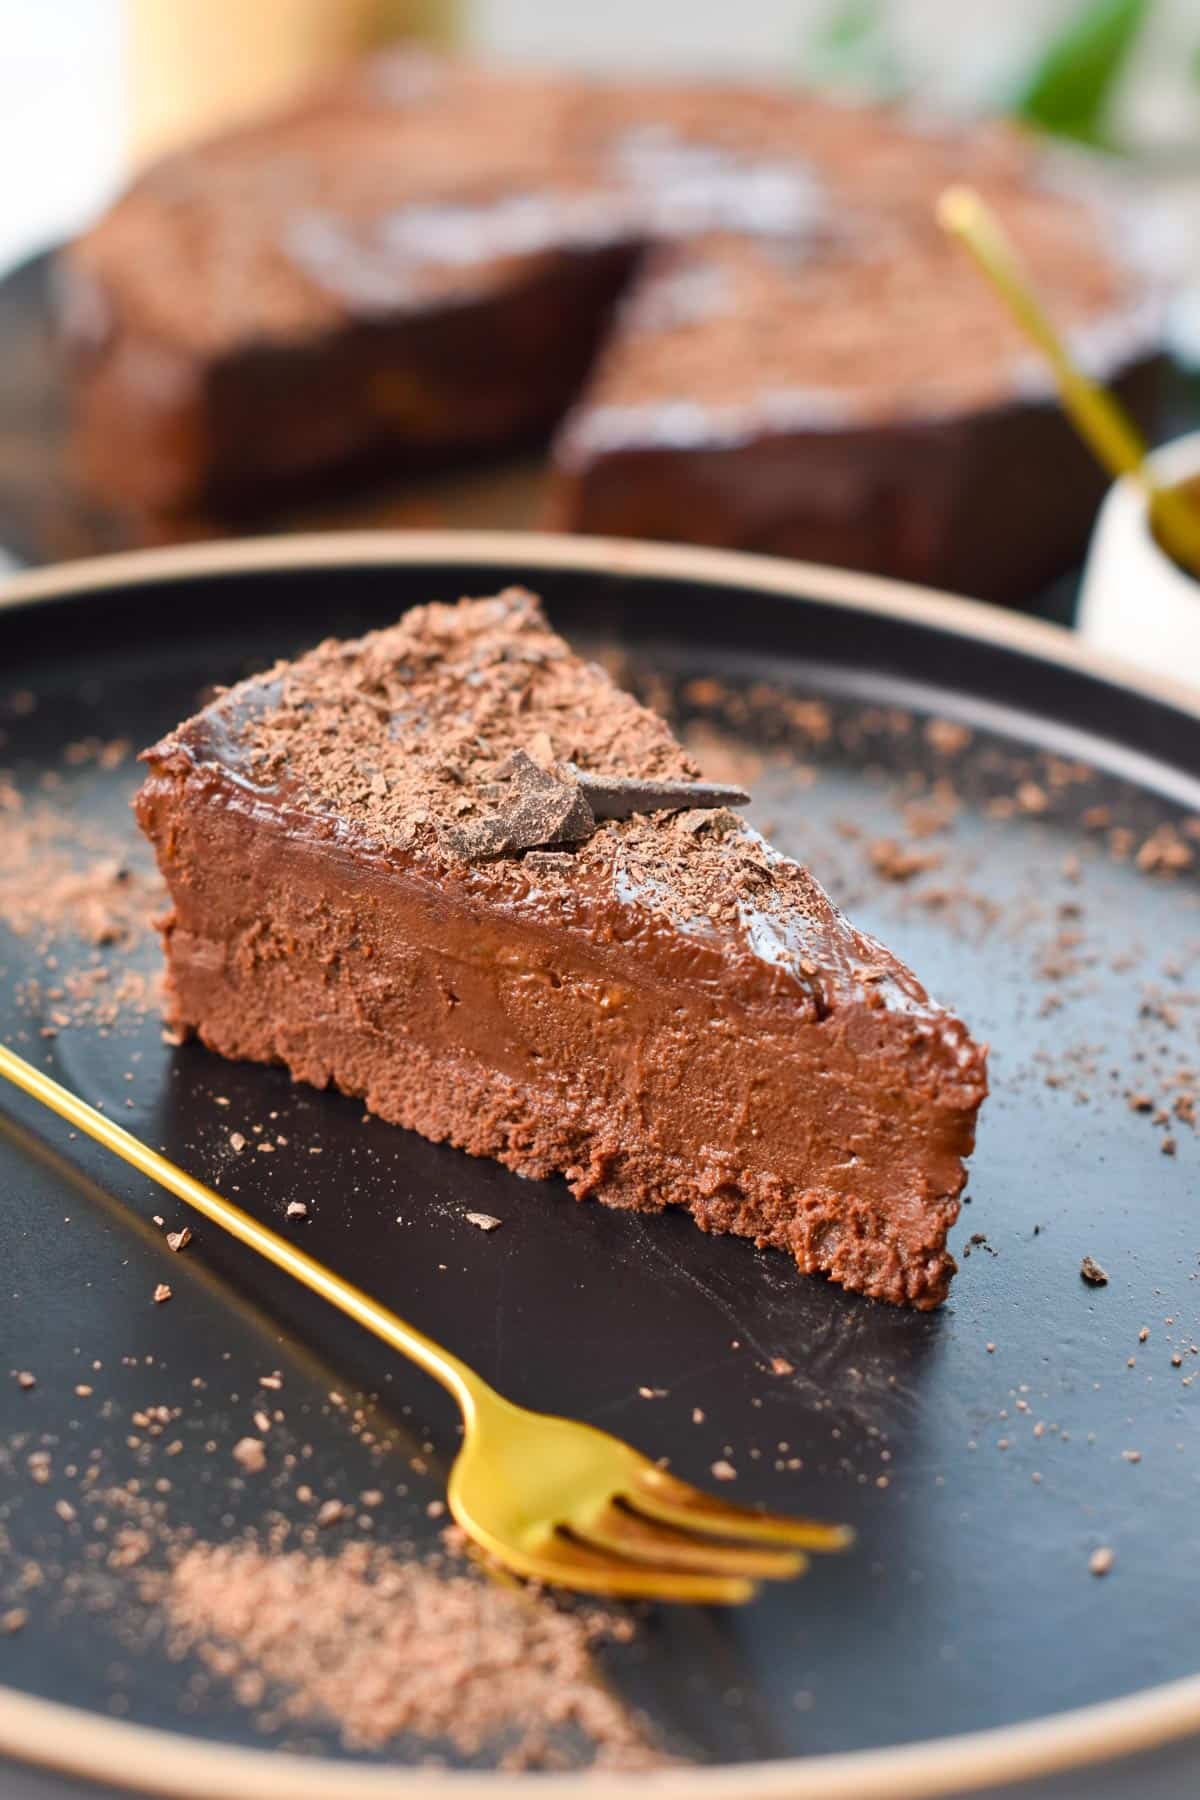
455, 871
420, 262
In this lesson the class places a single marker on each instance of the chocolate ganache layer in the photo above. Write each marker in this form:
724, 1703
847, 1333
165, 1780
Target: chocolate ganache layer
395, 868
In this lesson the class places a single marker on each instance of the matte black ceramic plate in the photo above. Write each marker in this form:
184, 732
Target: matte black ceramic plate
983, 1452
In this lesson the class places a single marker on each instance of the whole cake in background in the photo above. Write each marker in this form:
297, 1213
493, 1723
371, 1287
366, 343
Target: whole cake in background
729, 309
424, 868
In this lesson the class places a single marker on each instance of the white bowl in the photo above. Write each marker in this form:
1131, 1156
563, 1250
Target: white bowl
1136, 603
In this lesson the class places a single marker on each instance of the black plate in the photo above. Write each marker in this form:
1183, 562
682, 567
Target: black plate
979, 1451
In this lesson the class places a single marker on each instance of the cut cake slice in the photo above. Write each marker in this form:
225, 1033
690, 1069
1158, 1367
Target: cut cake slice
388, 874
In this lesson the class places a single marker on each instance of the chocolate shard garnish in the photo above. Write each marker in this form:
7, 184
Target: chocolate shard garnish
622, 797
535, 808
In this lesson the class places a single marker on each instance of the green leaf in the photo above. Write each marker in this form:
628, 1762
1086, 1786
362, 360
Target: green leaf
851, 47
1069, 91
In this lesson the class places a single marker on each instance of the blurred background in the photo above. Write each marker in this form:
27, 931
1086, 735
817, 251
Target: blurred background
91, 87
96, 90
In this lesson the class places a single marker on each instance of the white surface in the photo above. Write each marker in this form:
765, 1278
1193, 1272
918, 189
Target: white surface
959, 48
1135, 603
61, 132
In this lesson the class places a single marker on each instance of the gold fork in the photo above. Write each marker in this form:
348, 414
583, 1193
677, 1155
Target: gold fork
552, 1499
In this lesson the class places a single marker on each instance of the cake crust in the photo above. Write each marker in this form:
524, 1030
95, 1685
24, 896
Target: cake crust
662, 1009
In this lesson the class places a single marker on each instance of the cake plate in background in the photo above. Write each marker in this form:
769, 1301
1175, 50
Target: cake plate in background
46, 517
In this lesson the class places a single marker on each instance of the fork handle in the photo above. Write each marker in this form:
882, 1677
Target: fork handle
467, 1387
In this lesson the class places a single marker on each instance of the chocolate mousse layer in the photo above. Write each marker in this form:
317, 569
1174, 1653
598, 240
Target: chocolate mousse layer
398, 867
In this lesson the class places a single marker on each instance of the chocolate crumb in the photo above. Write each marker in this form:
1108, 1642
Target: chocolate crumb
1031, 798
893, 862
251, 1455
946, 736
1092, 1273
1164, 852
547, 862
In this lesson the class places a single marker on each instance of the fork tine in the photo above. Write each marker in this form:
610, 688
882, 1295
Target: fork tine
626, 1532
564, 1561
673, 1502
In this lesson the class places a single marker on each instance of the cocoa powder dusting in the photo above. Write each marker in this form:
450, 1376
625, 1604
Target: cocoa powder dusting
58, 875
376, 1642
383, 1647
76, 894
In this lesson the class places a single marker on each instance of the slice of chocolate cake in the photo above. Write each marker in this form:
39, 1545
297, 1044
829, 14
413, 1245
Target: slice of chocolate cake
450, 868
862, 398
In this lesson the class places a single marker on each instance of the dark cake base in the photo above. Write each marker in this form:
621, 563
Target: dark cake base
991, 503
